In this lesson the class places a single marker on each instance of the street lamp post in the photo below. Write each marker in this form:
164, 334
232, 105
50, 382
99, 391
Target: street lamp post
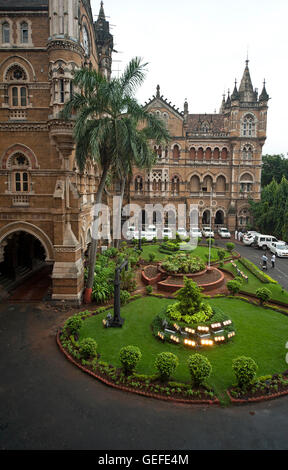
139, 233
209, 261
117, 320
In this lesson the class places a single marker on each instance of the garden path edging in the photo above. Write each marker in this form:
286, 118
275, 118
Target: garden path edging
129, 389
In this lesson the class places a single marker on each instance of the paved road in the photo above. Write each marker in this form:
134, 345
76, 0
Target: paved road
46, 403
279, 273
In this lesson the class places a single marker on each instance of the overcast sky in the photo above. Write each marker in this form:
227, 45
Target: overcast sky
196, 50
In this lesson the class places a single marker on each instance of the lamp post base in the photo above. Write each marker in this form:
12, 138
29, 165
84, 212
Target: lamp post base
117, 322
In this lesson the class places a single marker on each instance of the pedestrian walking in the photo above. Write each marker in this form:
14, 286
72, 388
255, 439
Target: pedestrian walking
239, 236
236, 235
273, 259
264, 261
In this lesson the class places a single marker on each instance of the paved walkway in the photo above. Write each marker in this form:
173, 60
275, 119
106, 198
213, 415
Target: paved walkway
47, 403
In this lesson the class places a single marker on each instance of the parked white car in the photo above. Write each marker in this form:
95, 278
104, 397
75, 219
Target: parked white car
224, 233
280, 249
207, 232
261, 241
144, 234
182, 233
167, 232
195, 232
249, 237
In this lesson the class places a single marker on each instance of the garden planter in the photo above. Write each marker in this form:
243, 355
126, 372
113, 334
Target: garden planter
87, 299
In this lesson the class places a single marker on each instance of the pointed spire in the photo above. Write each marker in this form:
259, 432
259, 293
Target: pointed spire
222, 104
246, 91
228, 101
235, 94
158, 91
186, 106
101, 12
264, 95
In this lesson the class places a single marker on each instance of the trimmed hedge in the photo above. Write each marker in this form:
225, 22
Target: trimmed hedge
254, 270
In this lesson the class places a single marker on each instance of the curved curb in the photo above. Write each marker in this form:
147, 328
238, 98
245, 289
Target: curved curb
132, 390
262, 398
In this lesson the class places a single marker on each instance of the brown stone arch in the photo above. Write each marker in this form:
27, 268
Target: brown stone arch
32, 230
19, 148
22, 62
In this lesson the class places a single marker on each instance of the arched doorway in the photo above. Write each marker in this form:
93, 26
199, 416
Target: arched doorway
206, 218
219, 218
23, 258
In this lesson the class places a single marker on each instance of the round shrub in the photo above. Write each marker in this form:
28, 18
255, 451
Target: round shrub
88, 348
245, 370
73, 324
152, 257
221, 254
149, 289
230, 246
233, 286
199, 367
129, 357
166, 364
263, 294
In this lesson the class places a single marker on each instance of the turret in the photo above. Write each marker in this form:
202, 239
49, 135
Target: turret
64, 22
104, 43
246, 92
264, 97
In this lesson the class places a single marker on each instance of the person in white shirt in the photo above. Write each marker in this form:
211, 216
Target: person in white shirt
273, 259
236, 235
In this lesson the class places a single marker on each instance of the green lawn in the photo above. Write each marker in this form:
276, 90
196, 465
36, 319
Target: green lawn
278, 293
260, 334
200, 251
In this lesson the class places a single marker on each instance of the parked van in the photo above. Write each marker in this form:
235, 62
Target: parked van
261, 241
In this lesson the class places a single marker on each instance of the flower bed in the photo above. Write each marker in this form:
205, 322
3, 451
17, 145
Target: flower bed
263, 388
149, 386
173, 283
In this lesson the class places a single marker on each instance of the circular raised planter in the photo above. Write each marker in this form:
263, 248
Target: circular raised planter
169, 286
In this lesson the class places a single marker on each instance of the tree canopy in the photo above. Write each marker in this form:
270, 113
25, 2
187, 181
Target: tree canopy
271, 213
274, 166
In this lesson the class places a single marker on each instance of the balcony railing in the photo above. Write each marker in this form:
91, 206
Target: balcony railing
20, 200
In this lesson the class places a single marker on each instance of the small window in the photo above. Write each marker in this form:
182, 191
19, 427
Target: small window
21, 182
62, 91
24, 33
19, 96
5, 33
15, 96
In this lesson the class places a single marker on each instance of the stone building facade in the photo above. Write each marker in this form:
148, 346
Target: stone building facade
46, 204
213, 161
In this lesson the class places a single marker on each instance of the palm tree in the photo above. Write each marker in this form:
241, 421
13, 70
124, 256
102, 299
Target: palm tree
112, 130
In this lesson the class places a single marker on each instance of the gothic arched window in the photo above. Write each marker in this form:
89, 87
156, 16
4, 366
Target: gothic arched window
248, 126
176, 152
138, 184
247, 153
246, 183
175, 185
5, 33
24, 33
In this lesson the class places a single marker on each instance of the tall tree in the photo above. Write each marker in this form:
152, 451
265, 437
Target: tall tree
274, 166
112, 130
